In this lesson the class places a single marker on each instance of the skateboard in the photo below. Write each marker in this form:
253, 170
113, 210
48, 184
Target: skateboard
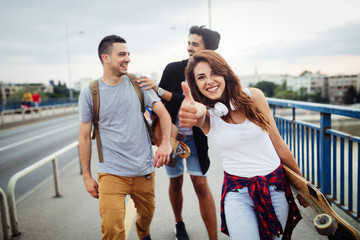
327, 222
178, 147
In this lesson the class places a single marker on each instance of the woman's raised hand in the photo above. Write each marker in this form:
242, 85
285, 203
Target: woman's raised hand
188, 111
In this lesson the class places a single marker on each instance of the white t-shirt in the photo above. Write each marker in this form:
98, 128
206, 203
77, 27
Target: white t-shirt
245, 149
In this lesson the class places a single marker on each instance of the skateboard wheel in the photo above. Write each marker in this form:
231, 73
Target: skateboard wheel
324, 224
186, 151
180, 137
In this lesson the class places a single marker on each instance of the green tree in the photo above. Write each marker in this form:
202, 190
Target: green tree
286, 94
302, 94
280, 88
60, 91
17, 95
316, 97
305, 73
267, 87
350, 96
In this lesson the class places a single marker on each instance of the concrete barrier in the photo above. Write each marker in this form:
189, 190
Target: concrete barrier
18, 115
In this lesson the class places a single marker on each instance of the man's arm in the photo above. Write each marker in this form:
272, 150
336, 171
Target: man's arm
148, 83
85, 158
170, 81
162, 155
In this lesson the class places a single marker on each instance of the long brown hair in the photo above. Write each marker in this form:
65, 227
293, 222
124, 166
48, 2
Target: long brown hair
233, 91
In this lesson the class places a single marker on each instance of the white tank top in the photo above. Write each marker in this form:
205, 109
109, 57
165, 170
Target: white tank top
245, 149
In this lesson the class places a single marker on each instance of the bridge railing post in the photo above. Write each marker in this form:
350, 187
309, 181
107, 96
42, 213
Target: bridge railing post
4, 216
324, 173
12, 183
56, 177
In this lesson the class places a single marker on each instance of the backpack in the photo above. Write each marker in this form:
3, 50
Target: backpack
94, 87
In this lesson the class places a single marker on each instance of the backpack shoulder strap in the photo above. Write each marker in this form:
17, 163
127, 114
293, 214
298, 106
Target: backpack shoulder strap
94, 87
138, 90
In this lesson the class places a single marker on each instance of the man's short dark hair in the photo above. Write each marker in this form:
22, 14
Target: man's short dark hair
211, 38
106, 43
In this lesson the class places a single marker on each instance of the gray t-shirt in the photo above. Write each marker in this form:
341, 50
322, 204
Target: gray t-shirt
125, 141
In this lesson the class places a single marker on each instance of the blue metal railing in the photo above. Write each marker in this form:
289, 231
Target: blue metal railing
327, 158
15, 104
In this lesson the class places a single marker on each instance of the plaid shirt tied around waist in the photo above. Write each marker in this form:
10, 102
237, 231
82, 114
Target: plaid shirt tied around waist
258, 188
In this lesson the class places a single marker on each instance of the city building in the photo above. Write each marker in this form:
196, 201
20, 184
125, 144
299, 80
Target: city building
339, 85
252, 80
295, 83
83, 82
332, 88
319, 83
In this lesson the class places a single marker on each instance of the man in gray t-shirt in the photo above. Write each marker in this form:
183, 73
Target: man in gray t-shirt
128, 160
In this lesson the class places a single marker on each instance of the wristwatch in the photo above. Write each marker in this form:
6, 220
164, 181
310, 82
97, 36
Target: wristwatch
160, 92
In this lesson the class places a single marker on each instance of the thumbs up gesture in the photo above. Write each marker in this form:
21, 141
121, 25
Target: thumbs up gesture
190, 111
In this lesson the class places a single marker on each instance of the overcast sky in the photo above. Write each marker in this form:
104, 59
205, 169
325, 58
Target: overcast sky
271, 36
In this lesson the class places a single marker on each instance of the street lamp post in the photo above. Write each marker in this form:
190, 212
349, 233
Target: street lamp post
209, 8
68, 59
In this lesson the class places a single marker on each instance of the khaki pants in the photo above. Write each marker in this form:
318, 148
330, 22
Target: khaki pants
112, 192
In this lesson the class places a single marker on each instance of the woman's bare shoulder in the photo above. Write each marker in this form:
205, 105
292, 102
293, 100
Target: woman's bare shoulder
256, 94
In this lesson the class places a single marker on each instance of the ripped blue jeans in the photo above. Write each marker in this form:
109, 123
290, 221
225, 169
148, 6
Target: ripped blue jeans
241, 217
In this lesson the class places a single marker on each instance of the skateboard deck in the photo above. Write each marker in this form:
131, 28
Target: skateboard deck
328, 222
178, 147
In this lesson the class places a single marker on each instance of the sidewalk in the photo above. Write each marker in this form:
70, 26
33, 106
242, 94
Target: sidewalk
75, 215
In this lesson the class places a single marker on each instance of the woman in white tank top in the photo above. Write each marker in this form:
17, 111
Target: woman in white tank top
256, 199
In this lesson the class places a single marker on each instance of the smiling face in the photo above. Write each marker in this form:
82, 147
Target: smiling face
210, 85
195, 44
118, 60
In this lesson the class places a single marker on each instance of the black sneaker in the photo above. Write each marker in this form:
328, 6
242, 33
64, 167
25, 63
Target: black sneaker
180, 231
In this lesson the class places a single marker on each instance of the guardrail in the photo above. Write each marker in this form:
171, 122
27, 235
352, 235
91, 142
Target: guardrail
14, 104
24, 172
326, 157
4, 216
21, 114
